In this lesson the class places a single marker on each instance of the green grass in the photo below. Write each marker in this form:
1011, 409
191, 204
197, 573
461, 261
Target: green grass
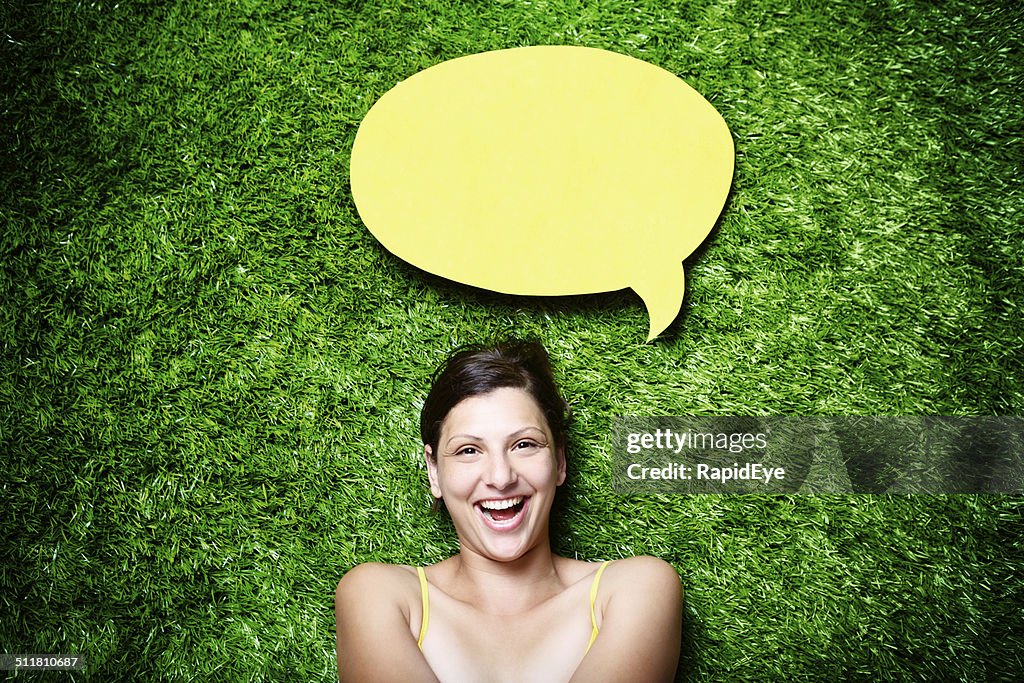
211, 372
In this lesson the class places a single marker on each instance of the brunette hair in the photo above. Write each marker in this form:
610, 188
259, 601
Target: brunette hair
476, 370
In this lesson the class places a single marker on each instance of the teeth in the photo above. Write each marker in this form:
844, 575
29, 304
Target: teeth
500, 504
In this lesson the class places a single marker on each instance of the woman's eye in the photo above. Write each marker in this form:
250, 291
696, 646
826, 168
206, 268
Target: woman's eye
526, 444
467, 450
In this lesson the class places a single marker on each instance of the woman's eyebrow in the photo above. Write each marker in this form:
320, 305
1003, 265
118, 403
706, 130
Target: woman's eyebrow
468, 437
524, 430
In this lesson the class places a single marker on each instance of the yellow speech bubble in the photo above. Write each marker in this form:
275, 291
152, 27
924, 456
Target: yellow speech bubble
545, 171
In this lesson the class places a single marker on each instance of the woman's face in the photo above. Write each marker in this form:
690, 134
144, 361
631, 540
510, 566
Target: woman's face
497, 468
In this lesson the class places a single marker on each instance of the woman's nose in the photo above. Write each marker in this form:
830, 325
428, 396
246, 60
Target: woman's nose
500, 472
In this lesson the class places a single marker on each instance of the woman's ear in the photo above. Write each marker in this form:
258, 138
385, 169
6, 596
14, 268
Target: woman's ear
561, 465
428, 454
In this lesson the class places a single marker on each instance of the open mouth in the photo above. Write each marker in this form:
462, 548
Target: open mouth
502, 513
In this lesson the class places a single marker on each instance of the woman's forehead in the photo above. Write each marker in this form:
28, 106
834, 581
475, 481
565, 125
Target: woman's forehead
507, 408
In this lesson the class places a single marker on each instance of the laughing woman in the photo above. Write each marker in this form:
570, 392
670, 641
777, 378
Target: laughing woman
505, 608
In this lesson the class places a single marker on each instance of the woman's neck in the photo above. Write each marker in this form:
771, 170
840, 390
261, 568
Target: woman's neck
507, 587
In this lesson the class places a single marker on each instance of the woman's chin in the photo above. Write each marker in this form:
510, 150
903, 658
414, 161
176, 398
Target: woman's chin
506, 550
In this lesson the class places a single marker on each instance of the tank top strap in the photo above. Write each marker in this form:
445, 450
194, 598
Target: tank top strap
593, 599
425, 622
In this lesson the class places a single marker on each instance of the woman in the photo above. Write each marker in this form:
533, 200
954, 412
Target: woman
505, 608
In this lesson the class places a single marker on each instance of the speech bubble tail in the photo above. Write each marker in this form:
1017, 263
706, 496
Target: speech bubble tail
662, 291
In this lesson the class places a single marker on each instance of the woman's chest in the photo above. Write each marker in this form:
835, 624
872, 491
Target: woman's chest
547, 643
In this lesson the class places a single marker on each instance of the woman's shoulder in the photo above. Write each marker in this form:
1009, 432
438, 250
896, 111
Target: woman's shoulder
628, 573
638, 609
642, 574
377, 616
378, 581
645, 565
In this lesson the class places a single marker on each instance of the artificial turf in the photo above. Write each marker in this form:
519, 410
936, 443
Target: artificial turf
210, 372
